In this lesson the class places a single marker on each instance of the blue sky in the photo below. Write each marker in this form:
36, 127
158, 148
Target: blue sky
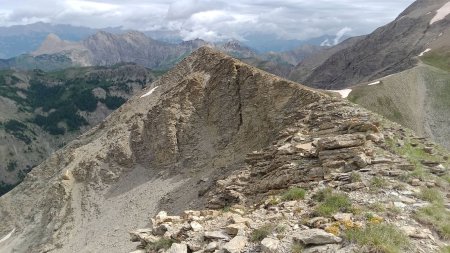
213, 20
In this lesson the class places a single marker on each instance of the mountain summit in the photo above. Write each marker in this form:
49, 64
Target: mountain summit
212, 132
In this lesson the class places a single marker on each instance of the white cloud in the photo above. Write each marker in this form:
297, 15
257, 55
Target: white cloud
341, 34
326, 43
183, 9
89, 7
213, 19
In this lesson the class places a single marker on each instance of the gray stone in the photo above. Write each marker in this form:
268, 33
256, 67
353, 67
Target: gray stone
196, 227
138, 234
375, 137
233, 229
178, 248
406, 200
236, 245
415, 182
315, 237
317, 222
195, 245
161, 229
269, 245
239, 219
330, 248
211, 247
414, 232
217, 235
400, 205
343, 216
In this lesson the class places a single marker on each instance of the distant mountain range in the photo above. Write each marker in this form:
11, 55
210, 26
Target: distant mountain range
107, 49
23, 39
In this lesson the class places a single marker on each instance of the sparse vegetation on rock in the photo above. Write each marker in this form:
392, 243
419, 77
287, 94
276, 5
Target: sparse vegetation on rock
383, 238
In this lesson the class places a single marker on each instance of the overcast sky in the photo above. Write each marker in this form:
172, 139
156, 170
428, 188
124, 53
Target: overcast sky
212, 20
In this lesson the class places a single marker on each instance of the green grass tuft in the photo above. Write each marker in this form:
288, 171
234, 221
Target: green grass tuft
377, 182
431, 195
332, 203
437, 216
355, 177
379, 238
293, 194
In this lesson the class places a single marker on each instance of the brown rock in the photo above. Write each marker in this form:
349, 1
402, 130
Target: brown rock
341, 141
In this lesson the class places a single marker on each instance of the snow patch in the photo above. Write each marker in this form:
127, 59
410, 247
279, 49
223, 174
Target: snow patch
150, 92
441, 13
344, 93
424, 52
374, 83
7, 236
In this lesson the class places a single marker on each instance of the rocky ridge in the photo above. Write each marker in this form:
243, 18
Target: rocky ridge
215, 133
355, 155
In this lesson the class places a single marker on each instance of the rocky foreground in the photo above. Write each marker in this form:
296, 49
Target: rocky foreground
338, 180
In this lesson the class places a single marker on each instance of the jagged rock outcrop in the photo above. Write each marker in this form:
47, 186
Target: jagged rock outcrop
183, 144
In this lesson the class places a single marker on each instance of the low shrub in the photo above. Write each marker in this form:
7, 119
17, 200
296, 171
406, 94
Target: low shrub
260, 233
297, 248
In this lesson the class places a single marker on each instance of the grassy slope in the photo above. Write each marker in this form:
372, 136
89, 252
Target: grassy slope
418, 98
